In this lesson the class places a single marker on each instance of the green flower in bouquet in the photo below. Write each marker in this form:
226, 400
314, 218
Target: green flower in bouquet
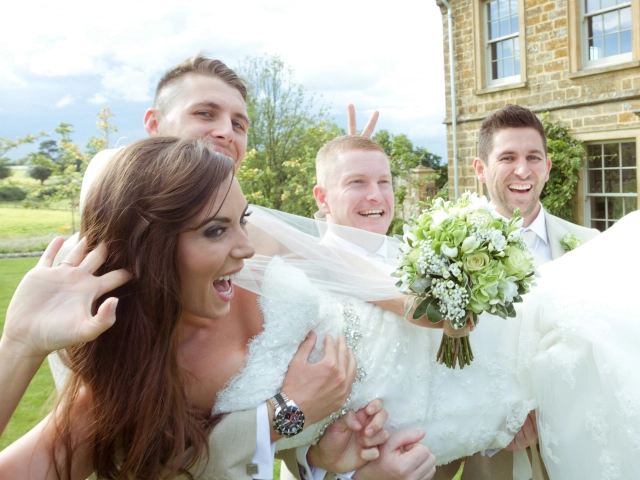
460, 259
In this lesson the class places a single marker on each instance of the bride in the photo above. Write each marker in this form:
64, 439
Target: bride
570, 353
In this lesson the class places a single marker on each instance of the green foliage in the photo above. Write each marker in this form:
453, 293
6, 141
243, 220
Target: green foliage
37, 170
5, 171
287, 129
567, 154
11, 193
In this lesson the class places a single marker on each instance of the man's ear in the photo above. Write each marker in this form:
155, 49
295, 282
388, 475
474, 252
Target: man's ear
151, 122
321, 199
479, 167
549, 165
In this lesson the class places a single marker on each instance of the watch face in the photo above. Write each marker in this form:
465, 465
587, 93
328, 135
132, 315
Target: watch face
290, 421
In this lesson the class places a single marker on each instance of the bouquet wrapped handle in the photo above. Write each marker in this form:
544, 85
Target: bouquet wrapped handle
455, 347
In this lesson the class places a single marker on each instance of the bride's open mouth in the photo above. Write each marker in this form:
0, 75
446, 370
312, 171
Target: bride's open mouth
224, 286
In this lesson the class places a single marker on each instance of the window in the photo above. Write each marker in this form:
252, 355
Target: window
606, 31
502, 41
612, 184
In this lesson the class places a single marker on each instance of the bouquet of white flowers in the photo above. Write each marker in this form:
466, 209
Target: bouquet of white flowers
462, 258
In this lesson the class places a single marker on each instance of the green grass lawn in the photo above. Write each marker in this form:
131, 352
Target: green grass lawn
34, 405
30, 230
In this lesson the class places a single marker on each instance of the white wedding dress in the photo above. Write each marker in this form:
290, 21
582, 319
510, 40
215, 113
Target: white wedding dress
572, 353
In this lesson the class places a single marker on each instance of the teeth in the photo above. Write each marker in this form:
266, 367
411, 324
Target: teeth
371, 213
228, 292
227, 277
520, 187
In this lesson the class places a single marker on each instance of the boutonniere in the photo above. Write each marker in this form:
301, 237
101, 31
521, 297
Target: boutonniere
570, 242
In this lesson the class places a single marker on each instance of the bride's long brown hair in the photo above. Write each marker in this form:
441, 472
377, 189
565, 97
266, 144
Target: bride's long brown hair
141, 422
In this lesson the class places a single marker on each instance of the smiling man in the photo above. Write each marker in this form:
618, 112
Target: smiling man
514, 164
354, 184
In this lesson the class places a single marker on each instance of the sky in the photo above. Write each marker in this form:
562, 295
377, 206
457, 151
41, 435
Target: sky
64, 61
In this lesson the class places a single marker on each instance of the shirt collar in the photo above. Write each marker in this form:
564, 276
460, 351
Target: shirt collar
355, 248
538, 226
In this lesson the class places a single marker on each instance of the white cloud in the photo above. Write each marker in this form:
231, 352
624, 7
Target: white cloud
363, 52
97, 99
64, 101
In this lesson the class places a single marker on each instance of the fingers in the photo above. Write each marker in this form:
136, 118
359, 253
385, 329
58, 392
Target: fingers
75, 256
404, 438
348, 359
375, 424
112, 280
305, 348
46, 260
371, 125
94, 259
351, 119
102, 321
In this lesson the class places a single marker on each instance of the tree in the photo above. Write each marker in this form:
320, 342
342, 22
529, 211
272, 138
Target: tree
104, 126
5, 171
285, 130
567, 154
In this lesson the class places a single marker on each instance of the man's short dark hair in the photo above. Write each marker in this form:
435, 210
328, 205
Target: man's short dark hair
201, 65
509, 116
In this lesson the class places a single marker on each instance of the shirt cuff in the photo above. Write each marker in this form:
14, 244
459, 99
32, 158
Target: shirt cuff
265, 450
308, 472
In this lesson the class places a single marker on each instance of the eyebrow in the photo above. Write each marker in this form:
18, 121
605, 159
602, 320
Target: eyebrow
511, 152
216, 106
221, 219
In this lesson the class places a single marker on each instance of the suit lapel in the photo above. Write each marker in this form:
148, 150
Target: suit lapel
556, 233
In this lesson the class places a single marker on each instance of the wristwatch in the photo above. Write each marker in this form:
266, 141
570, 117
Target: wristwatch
288, 419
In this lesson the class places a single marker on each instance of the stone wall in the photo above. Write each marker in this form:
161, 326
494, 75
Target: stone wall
588, 101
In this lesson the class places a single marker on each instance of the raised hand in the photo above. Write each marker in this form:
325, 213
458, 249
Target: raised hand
371, 124
321, 388
351, 441
401, 457
527, 435
51, 308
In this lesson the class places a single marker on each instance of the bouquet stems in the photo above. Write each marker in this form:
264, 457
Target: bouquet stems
455, 346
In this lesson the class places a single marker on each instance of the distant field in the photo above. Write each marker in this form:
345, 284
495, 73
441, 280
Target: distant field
30, 230
34, 405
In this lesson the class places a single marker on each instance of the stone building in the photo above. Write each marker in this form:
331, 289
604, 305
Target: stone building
578, 60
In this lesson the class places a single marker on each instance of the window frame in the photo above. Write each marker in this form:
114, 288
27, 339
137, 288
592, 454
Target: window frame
630, 135
484, 84
579, 42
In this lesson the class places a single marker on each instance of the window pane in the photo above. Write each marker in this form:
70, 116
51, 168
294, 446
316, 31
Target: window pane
614, 208
630, 204
517, 65
503, 8
500, 65
611, 155
493, 10
508, 67
610, 20
628, 153
594, 159
514, 24
595, 48
629, 183
593, 5
595, 181
625, 18
504, 26
612, 181
625, 41
611, 45
598, 208
507, 48
514, 7
493, 30
599, 225
607, 3
595, 26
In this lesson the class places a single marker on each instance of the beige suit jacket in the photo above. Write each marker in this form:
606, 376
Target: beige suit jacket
500, 466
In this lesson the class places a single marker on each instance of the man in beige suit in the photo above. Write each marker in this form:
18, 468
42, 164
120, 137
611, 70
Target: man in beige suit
514, 164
